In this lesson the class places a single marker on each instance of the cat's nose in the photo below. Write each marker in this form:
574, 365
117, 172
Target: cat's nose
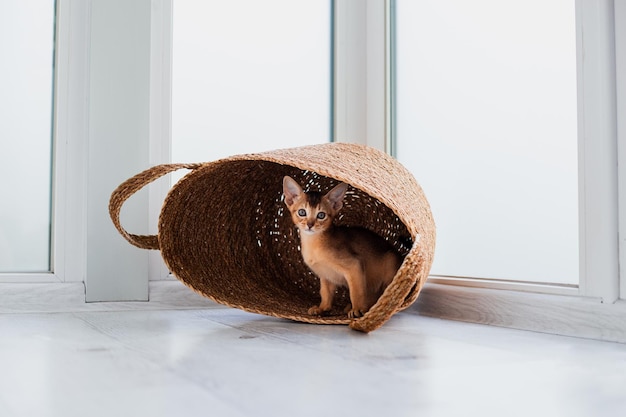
310, 224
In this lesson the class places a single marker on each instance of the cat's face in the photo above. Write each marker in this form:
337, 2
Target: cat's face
312, 212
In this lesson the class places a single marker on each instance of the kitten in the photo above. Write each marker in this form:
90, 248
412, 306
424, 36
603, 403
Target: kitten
338, 255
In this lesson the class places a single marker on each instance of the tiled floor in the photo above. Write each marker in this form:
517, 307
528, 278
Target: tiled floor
216, 361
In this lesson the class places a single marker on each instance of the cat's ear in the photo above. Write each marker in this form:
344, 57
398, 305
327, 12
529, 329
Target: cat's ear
336, 195
292, 190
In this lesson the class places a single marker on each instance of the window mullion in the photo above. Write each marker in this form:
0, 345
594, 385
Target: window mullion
117, 146
597, 150
620, 71
362, 72
161, 46
71, 130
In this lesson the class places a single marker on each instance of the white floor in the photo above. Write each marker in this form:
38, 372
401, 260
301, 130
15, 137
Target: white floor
172, 360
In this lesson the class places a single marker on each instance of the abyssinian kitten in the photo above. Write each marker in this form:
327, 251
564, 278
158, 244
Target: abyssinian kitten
339, 255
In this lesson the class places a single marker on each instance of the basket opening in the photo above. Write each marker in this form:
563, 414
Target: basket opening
225, 231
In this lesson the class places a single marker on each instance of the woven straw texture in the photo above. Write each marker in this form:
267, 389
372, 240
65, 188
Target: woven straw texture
225, 232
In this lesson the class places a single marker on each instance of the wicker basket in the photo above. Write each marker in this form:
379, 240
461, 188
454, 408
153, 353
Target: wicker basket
225, 232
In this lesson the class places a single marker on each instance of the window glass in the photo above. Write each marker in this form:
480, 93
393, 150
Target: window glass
486, 120
249, 76
26, 84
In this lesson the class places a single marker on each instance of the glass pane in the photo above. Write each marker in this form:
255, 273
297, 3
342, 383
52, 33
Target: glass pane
26, 67
486, 119
249, 76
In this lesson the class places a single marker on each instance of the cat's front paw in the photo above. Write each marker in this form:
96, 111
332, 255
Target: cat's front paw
316, 311
355, 313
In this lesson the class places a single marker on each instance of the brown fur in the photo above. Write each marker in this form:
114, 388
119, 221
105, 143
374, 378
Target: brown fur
339, 256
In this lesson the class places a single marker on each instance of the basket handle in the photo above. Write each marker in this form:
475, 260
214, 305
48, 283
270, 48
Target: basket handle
130, 187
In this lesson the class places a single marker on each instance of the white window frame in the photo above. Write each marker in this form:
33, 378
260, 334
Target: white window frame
68, 168
591, 309
598, 178
94, 149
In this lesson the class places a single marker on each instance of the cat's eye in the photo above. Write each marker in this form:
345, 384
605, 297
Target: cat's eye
302, 213
321, 215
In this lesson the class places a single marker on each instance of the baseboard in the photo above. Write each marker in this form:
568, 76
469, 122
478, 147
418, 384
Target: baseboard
70, 297
556, 314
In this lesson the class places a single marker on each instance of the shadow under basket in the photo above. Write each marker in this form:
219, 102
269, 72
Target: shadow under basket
225, 232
